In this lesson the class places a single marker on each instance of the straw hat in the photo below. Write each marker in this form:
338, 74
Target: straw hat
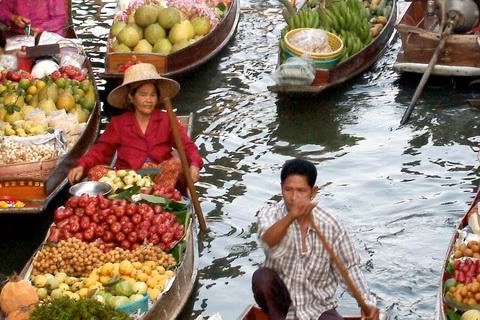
118, 97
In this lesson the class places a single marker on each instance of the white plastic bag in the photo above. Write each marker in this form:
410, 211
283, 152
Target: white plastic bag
295, 71
311, 40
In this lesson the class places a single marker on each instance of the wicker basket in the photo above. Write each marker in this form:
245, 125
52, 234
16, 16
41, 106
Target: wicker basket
334, 41
35, 170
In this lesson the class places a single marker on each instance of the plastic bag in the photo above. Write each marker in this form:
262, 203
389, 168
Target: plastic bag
295, 71
9, 62
17, 42
311, 40
43, 68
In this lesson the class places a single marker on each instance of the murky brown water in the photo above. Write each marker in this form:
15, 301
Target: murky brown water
399, 191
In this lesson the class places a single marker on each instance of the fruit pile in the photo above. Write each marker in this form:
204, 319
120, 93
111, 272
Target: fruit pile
125, 179
151, 28
116, 223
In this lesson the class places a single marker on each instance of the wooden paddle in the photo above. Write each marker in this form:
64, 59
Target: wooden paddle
343, 271
185, 167
452, 22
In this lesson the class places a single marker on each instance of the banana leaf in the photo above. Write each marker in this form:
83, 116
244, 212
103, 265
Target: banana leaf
151, 172
126, 194
166, 203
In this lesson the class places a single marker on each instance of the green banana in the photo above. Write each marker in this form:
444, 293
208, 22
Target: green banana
290, 22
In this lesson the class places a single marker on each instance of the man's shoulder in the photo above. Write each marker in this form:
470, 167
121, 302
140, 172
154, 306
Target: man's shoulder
327, 218
276, 208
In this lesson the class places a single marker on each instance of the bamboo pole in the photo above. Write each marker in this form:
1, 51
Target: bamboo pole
185, 166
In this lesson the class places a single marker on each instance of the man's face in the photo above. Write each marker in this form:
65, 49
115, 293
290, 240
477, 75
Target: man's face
296, 190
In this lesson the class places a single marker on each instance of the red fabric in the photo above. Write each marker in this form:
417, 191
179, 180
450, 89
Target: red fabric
123, 135
47, 15
171, 172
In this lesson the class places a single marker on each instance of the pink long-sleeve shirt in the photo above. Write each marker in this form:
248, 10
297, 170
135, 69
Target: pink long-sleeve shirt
47, 15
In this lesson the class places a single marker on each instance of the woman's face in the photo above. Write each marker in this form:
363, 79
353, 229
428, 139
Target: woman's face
145, 98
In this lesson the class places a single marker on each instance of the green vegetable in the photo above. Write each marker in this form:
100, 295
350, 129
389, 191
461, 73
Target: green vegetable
450, 267
68, 309
452, 315
448, 284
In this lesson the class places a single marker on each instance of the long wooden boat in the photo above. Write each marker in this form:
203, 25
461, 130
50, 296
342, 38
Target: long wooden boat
253, 312
37, 193
171, 303
441, 307
181, 61
356, 64
460, 56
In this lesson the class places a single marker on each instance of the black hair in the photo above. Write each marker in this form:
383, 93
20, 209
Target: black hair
299, 167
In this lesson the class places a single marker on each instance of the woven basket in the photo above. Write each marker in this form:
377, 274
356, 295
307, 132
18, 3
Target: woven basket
334, 41
36, 170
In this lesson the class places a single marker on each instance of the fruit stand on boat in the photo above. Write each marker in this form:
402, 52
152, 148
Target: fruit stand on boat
48, 101
117, 254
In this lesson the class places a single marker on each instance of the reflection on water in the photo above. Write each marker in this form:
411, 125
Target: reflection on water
400, 191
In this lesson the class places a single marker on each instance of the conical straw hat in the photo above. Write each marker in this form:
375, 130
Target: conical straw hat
118, 97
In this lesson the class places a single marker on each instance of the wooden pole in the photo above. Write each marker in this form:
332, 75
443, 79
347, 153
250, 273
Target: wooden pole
443, 40
343, 271
183, 158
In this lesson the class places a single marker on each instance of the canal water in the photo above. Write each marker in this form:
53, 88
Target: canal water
399, 190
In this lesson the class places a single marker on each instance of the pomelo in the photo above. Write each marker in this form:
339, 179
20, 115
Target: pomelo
154, 32
180, 45
121, 48
146, 15
168, 17
117, 27
162, 46
181, 31
201, 25
129, 36
143, 46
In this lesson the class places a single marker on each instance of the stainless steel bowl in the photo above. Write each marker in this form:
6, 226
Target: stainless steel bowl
92, 188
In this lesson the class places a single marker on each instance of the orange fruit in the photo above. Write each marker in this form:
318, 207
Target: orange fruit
32, 90
40, 84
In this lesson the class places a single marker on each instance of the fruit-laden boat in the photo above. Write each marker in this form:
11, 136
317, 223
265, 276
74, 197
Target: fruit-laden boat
252, 312
173, 47
27, 182
114, 249
460, 277
460, 56
361, 49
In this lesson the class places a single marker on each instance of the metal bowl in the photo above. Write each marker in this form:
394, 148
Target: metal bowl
92, 188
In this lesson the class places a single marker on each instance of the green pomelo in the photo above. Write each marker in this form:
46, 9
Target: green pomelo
180, 45
181, 31
154, 32
143, 46
201, 25
168, 17
146, 15
162, 46
122, 48
138, 28
131, 18
129, 36
117, 27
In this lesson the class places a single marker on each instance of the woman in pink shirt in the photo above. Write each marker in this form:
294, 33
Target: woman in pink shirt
45, 15
142, 136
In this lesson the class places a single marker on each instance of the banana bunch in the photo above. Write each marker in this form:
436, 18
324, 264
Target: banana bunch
305, 18
347, 19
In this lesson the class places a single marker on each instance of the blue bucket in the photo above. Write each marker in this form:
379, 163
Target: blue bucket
133, 307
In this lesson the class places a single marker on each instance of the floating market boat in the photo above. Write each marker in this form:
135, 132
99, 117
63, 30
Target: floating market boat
177, 290
462, 254
355, 64
460, 57
181, 61
252, 312
28, 187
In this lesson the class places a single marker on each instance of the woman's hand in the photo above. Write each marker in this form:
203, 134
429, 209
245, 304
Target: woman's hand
194, 173
20, 21
75, 174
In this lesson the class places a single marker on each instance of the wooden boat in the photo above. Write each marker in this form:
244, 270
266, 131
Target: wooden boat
181, 61
441, 307
356, 64
171, 303
37, 193
460, 56
253, 312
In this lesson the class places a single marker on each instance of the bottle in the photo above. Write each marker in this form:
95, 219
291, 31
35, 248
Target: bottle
430, 15
24, 63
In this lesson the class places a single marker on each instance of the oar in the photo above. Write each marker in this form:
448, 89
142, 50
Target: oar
343, 271
443, 40
185, 167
